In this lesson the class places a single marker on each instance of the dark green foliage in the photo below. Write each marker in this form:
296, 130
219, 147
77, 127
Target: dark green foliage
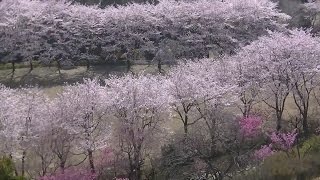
7, 170
311, 146
283, 166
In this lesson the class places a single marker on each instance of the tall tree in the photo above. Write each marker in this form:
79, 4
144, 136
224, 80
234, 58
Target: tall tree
25, 121
194, 84
283, 63
140, 104
84, 117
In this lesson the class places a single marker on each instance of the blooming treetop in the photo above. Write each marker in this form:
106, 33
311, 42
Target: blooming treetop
25, 115
134, 93
8, 103
280, 56
313, 7
79, 109
140, 105
60, 30
281, 63
202, 80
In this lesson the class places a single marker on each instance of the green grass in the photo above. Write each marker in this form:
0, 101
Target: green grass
47, 77
288, 166
8, 66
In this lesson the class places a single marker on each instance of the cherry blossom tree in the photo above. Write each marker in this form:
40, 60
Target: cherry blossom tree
283, 63
72, 33
313, 9
249, 89
139, 104
83, 116
19, 41
194, 84
8, 103
42, 150
62, 139
25, 121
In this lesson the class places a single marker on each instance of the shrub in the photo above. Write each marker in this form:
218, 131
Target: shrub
7, 170
310, 146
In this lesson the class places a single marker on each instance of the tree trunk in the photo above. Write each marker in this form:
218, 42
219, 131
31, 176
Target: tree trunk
279, 120
131, 165
213, 145
302, 103
88, 65
90, 154
62, 164
128, 65
59, 67
185, 128
136, 169
23, 163
245, 111
185, 124
305, 122
159, 67
13, 67
44, 166
31, 66
301, 177
10, 156
136, 173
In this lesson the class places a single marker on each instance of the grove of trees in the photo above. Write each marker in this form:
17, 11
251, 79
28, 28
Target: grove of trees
220, 117
71, 34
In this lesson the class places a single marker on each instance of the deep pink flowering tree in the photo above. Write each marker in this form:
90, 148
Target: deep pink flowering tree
280, 141
264, 152
250, 126
283, 141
